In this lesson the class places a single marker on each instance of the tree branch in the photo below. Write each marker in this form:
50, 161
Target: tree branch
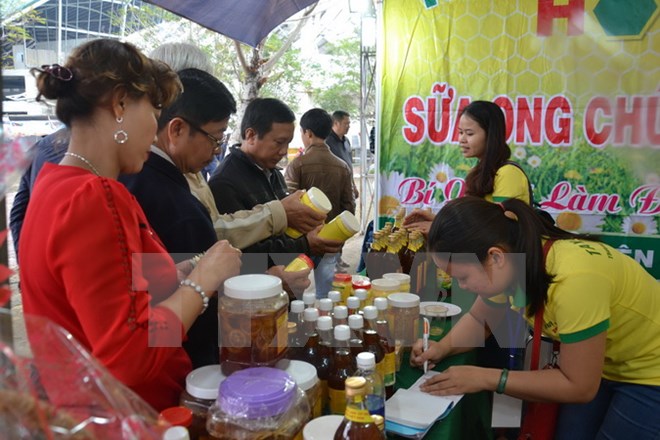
241, 56
289, 41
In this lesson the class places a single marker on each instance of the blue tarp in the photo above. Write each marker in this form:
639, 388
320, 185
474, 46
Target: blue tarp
248, 21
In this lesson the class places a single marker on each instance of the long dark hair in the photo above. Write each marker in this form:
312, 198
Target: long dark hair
471, 225
481, 179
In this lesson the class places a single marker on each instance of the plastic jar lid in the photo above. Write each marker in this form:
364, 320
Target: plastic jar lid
303, 373
403, 300
319, 199
343, 277
176, 433
349, 221
321, 427
254, 286
177, 416
386, 285
203, 382
256, 392
401, 277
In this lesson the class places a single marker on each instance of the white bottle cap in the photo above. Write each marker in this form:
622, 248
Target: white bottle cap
403, 300
325, 304
204, 382
303, 373
311, 314
342, 332
366, 360
309, 298
353, 302
176, 433
340, 312
380, 303
370, 312
355, 321
297, 306
324, 323
334, 296
361, 293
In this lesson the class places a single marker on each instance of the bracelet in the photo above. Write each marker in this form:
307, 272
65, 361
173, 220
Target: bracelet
194, 260
205, 299
503, 377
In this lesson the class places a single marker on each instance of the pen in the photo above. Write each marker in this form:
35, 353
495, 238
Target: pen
426, 342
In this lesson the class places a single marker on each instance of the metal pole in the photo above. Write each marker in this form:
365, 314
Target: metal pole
364, 166
59, 32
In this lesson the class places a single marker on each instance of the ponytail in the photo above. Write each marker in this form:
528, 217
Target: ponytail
470, 225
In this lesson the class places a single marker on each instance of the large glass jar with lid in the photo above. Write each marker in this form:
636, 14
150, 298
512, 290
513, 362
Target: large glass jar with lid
258, 403
252, 315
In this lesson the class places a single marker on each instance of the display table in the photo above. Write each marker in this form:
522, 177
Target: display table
471, 418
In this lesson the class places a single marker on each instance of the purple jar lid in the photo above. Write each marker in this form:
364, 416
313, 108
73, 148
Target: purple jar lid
256, 392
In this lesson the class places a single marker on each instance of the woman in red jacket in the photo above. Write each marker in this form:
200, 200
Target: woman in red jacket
89, 259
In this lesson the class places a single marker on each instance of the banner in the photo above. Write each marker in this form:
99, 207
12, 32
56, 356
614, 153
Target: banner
579, 83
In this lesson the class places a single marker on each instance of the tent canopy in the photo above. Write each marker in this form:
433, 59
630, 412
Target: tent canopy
248, 21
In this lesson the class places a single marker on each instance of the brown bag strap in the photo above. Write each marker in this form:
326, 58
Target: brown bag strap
538, 321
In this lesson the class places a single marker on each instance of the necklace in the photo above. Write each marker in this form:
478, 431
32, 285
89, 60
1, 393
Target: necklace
83, 159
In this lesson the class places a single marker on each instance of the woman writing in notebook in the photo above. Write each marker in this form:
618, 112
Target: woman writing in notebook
600, 304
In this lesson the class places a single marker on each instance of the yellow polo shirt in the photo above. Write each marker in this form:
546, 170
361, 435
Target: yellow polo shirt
510, 183
597, 288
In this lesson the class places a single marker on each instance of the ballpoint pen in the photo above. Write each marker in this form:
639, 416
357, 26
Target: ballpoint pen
427, 330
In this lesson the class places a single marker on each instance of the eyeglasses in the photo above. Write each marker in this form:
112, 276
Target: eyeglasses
218, 142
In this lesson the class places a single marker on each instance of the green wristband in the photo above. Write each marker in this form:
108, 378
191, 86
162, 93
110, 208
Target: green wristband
503, 377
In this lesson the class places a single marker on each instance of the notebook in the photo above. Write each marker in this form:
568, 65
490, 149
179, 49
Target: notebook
411, 412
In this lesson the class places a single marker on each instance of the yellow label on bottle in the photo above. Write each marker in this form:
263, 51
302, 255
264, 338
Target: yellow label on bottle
337, 401
389, 369
358, 415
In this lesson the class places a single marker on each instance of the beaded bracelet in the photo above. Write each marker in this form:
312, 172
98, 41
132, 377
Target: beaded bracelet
502, 384
205, 299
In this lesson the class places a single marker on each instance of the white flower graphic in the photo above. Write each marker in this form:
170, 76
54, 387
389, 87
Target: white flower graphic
534, 161
520, 153
580, 222
640, 225
389, 186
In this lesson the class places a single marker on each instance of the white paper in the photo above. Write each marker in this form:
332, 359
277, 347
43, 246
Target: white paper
417, 409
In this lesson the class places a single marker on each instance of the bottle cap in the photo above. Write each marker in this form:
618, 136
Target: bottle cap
366, 360
340, 312
355, 385
361, 294
342, 332
324, 323
254, 286
203, 382
297, 306
380, 303
353, 302
385, 285
302, 373
311, 314
334, 296
355, 322
319, 200
176, 433
309, 298
370, 312
325, 304
177, 416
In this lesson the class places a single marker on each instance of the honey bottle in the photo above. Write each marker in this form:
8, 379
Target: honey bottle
357, 423
342, 368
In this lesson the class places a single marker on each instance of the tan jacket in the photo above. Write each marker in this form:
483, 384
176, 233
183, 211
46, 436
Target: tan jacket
320, 168
241, 228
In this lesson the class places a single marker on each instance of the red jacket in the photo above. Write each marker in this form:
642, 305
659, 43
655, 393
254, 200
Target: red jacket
81, 265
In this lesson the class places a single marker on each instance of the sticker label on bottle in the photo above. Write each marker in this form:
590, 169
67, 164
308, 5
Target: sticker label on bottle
337, 401
389, 369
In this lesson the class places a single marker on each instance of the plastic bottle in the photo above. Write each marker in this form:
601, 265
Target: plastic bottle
356, 324
324, 367
309, 298
389, 360
310, 352
361, 294
358, 423
375, 394
335, 297
325, 307
372, 340
296, 317
342, 368
340, 315
353, 304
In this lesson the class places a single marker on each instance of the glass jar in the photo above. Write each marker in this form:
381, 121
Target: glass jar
361, 282
304, 374
343, 283
201, 392
252, 317
404, 309
258, 403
